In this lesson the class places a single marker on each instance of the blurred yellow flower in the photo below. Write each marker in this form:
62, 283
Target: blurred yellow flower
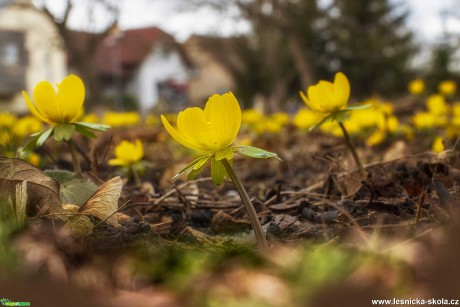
376, 138
127, 153
326, 97
447, 87
90, 118
121, 119
7, 120
306, 118
424, 120
438, 144
416, 87
58, 107
436, 104
251, 117
26, 126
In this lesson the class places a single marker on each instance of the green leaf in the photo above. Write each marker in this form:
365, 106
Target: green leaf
85, 131
198, 161
97, 127
63, 132
254, 152
197, 169
74, 188
218, 172
38, 139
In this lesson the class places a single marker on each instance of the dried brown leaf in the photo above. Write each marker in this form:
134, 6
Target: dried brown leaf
104, 202
42, 191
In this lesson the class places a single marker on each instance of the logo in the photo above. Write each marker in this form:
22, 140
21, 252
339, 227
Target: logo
7, 302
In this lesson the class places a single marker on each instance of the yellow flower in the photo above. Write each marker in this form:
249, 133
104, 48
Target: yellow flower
7, 120
306, 118
436, 104
27, 126
326, 97
61, 107
120, 119
438, 144
127, 153
210, 132
416, 87
447, 87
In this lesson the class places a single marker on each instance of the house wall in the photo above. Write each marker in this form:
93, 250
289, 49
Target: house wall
210, 77
46, 59
161, 65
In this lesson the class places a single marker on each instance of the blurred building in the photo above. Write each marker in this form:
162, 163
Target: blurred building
211, 74
30, 51
141, 68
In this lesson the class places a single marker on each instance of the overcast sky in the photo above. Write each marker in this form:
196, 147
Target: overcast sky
425, 19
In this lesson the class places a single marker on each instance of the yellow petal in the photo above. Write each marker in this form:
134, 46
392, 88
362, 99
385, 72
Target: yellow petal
193, 126
224, 114
342, 88
33, 109
316, 99
71, 95
46, 101
138, 152
177, 136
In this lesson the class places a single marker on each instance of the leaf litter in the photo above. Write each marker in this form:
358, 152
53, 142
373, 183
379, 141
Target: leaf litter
159, 232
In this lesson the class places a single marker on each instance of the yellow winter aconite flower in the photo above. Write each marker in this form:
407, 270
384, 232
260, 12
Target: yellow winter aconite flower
326, 97
436, 104
128, 153
120, 119
61, 106
7, 120
26, 126
306, 118
210, 132
438, 144
447, 87
416, 87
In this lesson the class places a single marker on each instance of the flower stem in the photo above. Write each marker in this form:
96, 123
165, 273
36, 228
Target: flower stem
260, 236
352, 148
137, 179
75, 160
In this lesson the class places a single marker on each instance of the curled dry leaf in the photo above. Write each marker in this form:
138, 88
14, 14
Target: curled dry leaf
42, 191
102, 205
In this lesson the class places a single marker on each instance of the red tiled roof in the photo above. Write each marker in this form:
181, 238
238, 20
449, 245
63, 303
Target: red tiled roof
124, 51
129, 48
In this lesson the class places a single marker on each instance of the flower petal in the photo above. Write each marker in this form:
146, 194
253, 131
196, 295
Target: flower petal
46, 101
192, 124
34, 110
71, 95
341, 89
224, 114
177, 136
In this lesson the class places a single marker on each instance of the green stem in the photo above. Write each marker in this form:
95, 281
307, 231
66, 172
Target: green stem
260, 236
137, 179
352, 148
75, 160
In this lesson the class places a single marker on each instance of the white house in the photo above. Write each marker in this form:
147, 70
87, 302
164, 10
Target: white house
30, 51
145, 63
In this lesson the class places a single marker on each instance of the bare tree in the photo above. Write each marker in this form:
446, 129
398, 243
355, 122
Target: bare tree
101, 17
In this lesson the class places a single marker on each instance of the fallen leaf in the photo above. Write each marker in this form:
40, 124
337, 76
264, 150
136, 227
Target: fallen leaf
42, 191
104, 202
74, 189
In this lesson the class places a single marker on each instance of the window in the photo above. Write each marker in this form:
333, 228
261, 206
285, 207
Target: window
13, 63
